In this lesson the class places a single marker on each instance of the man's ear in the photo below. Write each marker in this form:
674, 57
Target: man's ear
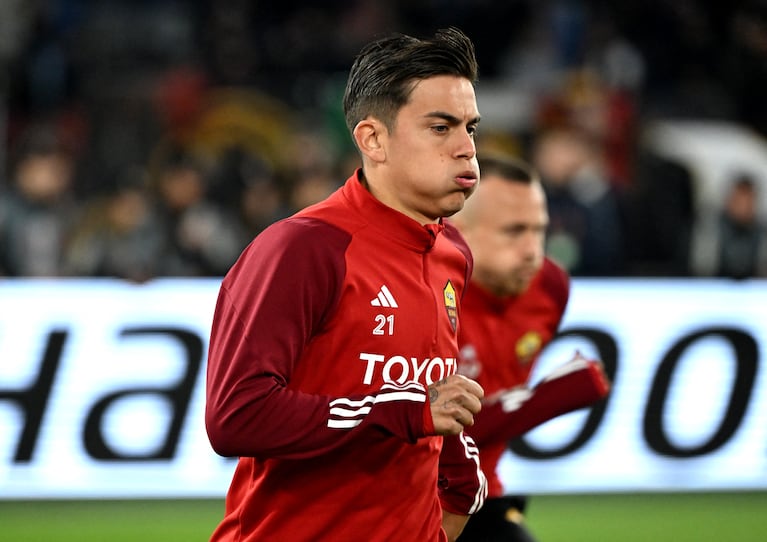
370, 136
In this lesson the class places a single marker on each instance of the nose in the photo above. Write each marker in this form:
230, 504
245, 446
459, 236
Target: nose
532, 245
466, 147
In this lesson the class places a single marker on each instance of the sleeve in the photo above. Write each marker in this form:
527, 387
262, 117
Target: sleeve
275, 297
462, 484
576, 384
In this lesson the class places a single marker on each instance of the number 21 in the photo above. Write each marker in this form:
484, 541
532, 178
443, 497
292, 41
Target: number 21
384, 325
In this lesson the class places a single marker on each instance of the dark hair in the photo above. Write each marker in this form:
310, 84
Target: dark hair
743, 181
510, 168
384, 72
38, 140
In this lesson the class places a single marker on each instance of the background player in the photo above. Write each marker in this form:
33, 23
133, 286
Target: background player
512, 308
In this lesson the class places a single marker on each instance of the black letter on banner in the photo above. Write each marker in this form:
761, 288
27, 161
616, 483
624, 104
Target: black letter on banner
608, 353
746, 355
34, 399
179, 395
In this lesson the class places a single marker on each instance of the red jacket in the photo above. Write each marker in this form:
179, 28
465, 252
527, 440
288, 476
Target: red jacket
501, 338
325, 334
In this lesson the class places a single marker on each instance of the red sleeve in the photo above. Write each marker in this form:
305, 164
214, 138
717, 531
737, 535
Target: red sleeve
462, 484
576, 384
273, 300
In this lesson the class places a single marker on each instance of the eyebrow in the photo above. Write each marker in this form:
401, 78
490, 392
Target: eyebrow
451, 119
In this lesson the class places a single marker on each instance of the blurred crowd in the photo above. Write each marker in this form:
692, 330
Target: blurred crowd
157, 138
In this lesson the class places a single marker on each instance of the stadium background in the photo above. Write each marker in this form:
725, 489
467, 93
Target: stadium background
672, 94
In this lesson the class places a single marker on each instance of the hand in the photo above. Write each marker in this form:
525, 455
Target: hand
454, 401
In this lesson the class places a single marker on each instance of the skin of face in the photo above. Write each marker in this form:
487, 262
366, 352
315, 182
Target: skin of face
505, 226
426, 165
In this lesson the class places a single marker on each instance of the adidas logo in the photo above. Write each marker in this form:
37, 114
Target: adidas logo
384, 299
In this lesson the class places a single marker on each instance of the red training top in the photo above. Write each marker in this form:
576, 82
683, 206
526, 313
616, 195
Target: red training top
326, 332
501, 338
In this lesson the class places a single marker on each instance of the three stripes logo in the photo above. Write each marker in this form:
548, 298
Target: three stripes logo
384, 299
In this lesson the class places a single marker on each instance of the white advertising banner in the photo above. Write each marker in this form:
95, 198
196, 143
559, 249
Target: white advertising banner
102, 391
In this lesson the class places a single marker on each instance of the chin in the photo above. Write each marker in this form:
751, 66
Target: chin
449, 213
453, 207
516, 288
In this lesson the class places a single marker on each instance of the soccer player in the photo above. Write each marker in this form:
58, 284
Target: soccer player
512, 308
334, 344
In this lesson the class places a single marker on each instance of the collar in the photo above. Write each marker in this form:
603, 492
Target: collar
389, 222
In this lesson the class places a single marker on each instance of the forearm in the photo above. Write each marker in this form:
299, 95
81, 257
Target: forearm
261, 418
577, 384
265, 419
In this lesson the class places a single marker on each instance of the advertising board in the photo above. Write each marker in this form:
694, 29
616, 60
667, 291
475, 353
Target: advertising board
102, 391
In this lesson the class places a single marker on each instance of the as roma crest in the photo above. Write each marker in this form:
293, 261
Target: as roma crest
528, 346
451, 306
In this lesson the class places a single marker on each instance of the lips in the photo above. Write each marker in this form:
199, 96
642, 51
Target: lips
467, 179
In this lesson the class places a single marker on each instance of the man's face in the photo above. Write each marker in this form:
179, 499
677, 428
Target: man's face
430, 151
506, 231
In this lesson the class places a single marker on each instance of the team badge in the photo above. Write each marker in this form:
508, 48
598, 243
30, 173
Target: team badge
528, 346
451, 306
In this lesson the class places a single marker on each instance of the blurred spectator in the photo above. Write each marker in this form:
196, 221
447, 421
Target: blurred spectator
659, 216
605, 113
119, 236
201, 240
250, 186
313, 174
682, 44
745, 63
40, 207
261, 204
311, 187
126, 77
733, 242
586, 224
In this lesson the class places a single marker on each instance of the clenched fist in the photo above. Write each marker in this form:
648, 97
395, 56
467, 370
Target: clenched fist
454, 401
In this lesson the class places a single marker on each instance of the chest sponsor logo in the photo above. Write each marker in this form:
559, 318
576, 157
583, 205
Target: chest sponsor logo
403, 369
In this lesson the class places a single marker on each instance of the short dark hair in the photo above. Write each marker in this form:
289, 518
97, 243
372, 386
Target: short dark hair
508, 167
385, 71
